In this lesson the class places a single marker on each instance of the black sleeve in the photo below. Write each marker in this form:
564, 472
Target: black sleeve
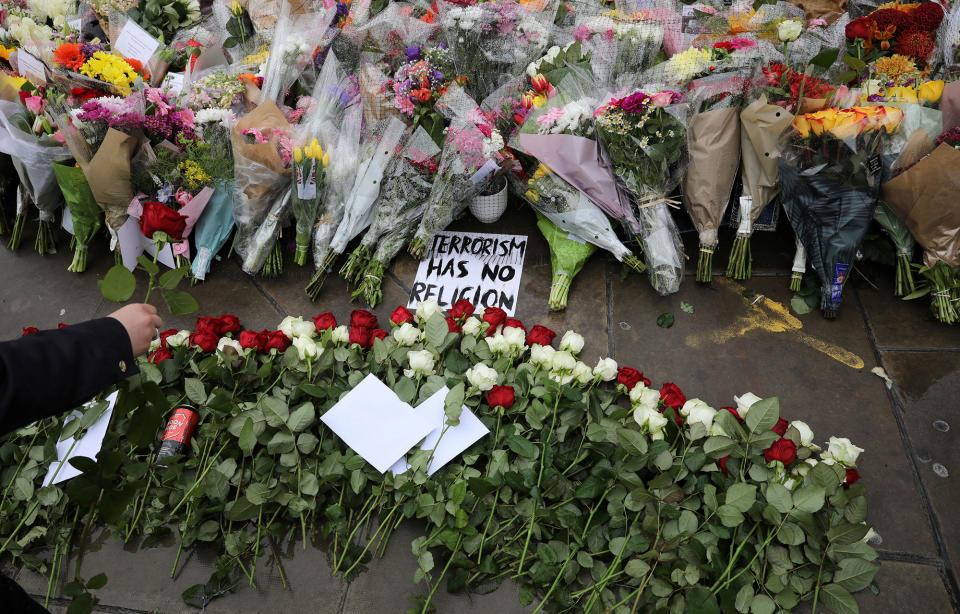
49, 372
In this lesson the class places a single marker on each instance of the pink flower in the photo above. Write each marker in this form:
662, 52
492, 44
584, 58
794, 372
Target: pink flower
183, 197
34, 104
662, 99
155, 95
822, 23
59, 138
608, 35
581, 33
550, 117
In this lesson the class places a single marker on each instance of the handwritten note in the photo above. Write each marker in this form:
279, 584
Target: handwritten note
31, 68
135, 42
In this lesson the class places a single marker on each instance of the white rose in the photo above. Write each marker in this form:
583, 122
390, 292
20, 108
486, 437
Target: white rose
340, 335
571, 341
406, 334
178, 339
471, 326
806, 433
606, 369
561, 379
563, 362
789, 30
498, 344
421, 361
227, 342
652, 420
542, 355
745, 402
582, 373
294, 327
307, 348
426, 309
515, 338
154, 345
842, 451
696, 411
482, 377
636, 393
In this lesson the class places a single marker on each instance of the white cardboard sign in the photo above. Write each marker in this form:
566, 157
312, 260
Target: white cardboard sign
135, 42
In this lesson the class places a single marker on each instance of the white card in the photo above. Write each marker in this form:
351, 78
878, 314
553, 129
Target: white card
75, 24
453, 442
87, 446
31, 68
484, 171
135, 42
376, 424
173, 82
746, 205
133, 243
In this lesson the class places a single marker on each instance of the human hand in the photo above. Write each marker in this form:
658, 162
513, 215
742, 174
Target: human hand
142, 323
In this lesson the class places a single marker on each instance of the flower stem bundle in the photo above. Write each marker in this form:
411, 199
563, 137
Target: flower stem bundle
309, 164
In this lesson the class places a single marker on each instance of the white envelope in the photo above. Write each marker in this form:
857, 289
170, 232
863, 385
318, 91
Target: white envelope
87, 446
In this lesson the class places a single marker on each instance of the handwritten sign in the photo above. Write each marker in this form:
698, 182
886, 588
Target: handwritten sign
481, 268
31, 68
135, 42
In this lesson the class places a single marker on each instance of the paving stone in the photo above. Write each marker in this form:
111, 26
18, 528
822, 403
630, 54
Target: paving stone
898, 323
929, 385
730, 346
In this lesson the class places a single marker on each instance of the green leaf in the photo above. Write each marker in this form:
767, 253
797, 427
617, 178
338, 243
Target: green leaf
686, 307
854, 63
779, 497
838, 599
97, 582
846, 76
406, 388
730, 516
148, 265
301, 418
257, 493
742, 496
436, 329
763, 415
744, 599
633, 442
855, 574
522, 447
825, 58
118, 285
453, 403
665, 320
281, 443
195, 390
687, 523
809, 499
171, 279
635, 568
718, 446
800, 305
179, 302
762, 604
701, 601
247, 439
791, 534
847, 533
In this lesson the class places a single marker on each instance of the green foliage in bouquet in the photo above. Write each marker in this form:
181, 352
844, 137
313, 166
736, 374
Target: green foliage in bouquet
162, 18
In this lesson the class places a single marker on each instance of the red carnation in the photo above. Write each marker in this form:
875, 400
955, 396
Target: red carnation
672, 396
885, 18
453, 326
630, 377
325, 321
780, 428
501, 396
205, 341
733, 410
494, 316
401, 315
363, 318
29, 331
514, 323
722, 463
782, 450
229, 324
541, 335
276, 340
461, 309
208, 325
253, 340
157, 217
361, 336
159, 355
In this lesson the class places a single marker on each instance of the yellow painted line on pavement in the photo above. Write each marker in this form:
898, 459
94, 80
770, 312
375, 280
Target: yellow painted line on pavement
768, 315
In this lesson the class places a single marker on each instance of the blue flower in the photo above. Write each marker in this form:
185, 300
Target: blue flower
165, 193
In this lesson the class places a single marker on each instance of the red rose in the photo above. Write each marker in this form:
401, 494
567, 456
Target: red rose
733, 410
541, 335
780, 428
672, 397
501, 396
159, 355
325, 321
361, 336
158, 217
61, 325
205, 341
519, 119
514, 323
252, 340
276, 340
208, 325
630, 377
858, 28
229, 324
377, 333
722, 463
782, 450
363, 319
853, 476
165, 334
401, 315
29, 331
461, 309
453, 326
494, 316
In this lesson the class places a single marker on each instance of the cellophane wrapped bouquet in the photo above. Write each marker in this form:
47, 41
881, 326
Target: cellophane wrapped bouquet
295, 41
621, 44
831, 173
93, 66
645, 136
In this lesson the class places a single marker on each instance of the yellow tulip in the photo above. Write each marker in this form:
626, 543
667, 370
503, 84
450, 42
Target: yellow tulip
902, 94
326, 160
930, 91
542, 171
235, 8
297, 155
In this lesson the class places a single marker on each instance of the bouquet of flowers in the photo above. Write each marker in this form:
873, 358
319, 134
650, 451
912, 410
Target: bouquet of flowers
216, 88
473, 156
294, 44
85, 213
309, 164
645, 137
163, 20
921, 196
568, 254
397, 215
905, 29
93, 66
419, 82
831, 175
621, 44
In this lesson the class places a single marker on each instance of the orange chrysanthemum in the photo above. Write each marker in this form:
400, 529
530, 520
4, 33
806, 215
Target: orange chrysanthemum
69, 55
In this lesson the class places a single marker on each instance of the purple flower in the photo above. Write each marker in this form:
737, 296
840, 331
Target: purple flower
412, 52
875, 98
342, 9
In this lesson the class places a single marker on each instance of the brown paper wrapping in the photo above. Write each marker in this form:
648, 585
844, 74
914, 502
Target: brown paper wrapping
376, 104
950, 105
918, 145
714, 145
923, 197
761, 125
267, 118
108, 174
811, 105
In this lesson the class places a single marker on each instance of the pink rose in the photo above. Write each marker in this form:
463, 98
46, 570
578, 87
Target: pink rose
34, 104
662, 99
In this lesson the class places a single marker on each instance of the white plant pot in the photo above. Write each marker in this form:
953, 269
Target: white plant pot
489, 208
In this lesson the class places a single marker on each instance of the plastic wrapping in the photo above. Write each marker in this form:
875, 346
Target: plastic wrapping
156, 66
645, 137
568, 254
83, 210
212, 230
294, 42
622, 43
265, 237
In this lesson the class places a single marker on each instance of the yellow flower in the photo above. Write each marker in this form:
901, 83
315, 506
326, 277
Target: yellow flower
5, 53
930, 91
542, 171
235, 8
326, 160
539, 101
802, 126
14, 81
532, 195
297, 153
895, 66
901, 94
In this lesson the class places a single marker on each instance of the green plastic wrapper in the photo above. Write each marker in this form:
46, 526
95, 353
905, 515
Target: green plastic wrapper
567, 257
84, 210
